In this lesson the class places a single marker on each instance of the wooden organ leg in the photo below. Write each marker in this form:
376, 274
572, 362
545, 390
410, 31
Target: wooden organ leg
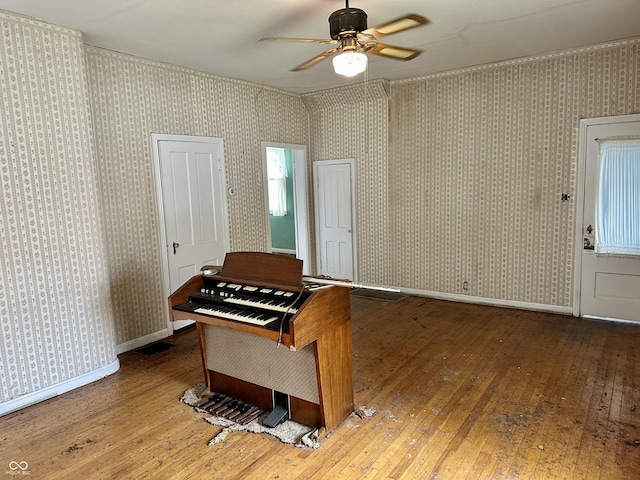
203, 352
334, 367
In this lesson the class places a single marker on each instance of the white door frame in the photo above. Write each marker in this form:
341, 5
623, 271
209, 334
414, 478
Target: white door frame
162, 232
354, 236
580, 195
300, 196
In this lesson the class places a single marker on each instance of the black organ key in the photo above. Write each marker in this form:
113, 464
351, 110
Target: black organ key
252, 304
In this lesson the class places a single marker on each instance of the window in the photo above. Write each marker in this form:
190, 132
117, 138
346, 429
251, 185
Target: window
277, 185
618, 208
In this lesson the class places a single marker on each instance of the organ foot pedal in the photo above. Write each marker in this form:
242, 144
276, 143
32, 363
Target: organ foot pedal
276, 417
230, 408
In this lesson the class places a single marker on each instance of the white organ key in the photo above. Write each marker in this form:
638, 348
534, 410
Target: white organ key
278, 307
253, 318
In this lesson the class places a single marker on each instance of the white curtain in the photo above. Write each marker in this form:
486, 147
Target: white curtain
618, 208
277, 178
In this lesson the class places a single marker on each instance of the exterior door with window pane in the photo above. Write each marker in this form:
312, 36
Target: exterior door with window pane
610, 284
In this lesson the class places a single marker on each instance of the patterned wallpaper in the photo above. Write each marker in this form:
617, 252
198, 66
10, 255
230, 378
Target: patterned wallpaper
490, 151
462, 181
55, 317
133, 98
458, 179
352, 122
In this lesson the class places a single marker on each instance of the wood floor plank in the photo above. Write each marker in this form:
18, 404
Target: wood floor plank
450, 387
458, 391
474, 437
497, 357
629, 417
561, 445
532, 455
550, 436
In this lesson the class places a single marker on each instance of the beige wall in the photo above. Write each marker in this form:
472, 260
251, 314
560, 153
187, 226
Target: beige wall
458, 178
462, 180
56, 322
491, 150
352, 123
133, 98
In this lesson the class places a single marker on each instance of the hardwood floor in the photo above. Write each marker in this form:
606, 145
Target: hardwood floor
459, 392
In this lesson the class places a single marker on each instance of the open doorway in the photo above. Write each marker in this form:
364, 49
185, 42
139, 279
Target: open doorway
286, 193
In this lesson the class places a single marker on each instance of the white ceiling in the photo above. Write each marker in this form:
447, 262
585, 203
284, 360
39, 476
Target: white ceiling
221, 36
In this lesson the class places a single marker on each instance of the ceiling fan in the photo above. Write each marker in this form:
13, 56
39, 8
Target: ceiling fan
349, 32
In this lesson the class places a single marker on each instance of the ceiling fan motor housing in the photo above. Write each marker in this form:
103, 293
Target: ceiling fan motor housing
347, 20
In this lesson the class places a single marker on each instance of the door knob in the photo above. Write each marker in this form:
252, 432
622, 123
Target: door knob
175, 247
589, 229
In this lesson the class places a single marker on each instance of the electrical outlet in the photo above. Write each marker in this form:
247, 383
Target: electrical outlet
465, 286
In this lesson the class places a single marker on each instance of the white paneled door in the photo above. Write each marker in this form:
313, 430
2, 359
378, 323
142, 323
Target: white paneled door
193, 202
335, 218
610, 285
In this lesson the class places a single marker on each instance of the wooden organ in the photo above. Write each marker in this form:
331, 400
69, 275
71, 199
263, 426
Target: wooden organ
265, 335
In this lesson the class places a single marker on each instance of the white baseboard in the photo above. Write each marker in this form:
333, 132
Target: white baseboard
58, 389
286, 251
496, 302
142, 341
610, 319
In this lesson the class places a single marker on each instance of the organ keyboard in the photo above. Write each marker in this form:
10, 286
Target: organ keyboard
257, 302
259, 305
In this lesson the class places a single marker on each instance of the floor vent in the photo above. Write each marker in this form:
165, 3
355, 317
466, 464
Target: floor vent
379, 295
153, 348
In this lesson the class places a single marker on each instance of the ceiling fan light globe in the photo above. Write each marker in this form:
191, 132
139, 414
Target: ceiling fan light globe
350, 64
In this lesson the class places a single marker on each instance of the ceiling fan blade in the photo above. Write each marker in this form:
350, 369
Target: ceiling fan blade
398, 53
314, 60
397, 25
300, 40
